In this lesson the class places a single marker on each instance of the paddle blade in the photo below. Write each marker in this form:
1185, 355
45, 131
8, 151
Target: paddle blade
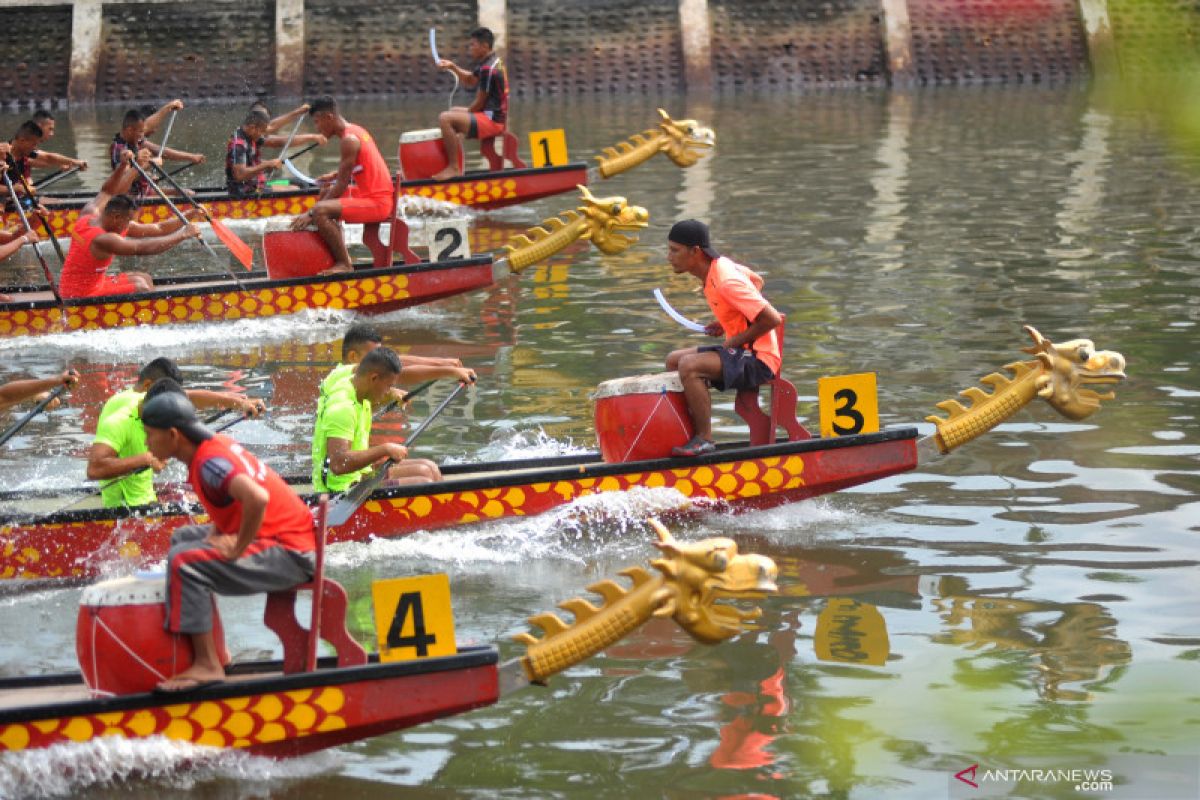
241, 251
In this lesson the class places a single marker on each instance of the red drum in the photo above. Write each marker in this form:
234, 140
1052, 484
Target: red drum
423, 154
120, 640
295, 254
641, 417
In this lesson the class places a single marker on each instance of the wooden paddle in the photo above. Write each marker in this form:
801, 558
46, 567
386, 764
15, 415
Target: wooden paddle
354, 497
41, 259
62, 259
392, 406
241, 251
55, 178
50, 398
158, 190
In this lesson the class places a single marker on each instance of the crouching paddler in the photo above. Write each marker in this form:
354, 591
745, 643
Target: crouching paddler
260, 538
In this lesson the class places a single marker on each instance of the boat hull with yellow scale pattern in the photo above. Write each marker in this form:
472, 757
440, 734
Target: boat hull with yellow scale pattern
78, 543
215, 298
258, 709
482, 190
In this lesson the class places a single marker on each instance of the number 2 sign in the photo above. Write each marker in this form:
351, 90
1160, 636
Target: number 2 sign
413, 618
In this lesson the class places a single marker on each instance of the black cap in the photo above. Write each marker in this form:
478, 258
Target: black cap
692, 233
174, 410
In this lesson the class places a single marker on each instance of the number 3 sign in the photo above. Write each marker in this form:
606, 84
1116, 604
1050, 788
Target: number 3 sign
413, 618
849, 404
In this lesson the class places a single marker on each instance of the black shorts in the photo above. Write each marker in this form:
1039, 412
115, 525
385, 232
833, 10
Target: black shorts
740, 369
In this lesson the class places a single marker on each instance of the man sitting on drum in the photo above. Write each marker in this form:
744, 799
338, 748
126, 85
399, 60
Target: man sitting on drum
260, 538
750, 356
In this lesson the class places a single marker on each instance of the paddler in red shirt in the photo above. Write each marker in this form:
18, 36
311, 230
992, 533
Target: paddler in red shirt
260, 538
105, 229
750, 356
368, 200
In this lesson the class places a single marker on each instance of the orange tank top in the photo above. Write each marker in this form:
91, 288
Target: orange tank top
371, 176
82, 271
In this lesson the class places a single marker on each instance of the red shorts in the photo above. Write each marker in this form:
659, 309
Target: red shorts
119, 283
359, 210
483, 127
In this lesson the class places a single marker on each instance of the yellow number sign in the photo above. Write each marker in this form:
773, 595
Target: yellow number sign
549, 148
849, 404
413, 618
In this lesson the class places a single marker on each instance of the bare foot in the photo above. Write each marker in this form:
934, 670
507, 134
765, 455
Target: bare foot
5, 298
446, 174
192, 678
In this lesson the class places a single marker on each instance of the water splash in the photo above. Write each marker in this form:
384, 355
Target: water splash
69, 769
605, 524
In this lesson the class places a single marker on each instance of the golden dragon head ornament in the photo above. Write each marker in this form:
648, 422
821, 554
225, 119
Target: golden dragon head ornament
692, 577
683, 141
601, 220
1060, 375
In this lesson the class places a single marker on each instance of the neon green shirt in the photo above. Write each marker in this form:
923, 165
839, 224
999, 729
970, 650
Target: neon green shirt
120, 427
340, 415
342, 372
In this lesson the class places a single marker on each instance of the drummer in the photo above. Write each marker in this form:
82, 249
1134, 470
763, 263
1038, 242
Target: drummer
487, 116
369, 200
750, 355
260, 538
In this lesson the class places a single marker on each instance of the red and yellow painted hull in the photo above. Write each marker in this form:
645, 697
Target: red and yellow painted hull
75, 545
372, 291
271, 715
483, 190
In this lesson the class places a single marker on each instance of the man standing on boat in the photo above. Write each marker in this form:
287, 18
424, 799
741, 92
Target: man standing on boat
105, 229
341, 450
487, 116
370, 199
260, 538
119, 455
135, 127
750, 356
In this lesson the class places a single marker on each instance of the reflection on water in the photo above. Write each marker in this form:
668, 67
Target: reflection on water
1029, 599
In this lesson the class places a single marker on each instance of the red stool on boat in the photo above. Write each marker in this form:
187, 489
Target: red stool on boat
328, 619
763, 426
487, 149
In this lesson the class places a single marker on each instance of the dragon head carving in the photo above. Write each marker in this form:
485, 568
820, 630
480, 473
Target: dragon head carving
701, 572
686, 139
693, 577
606, 217
1069, 368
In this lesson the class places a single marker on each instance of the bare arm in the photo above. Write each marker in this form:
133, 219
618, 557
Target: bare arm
479, 101
205, 398
18, 391
104, 464
767, 320
241, 171
284, 119
419, 373
48, 159
113, 244
465, 76
171, 154
301, 138
13, 245
349, 155
156, 119
343, 460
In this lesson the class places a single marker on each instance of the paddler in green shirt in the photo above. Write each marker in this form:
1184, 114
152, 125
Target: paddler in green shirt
341, 448
361, 338
119, 450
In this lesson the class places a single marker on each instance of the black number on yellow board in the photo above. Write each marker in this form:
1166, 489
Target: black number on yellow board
847, 398
545, 143
410, 602
455, 240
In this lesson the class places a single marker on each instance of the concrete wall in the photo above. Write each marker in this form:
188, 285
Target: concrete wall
119, 51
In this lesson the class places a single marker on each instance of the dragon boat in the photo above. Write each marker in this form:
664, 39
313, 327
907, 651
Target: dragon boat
40, 541
683, 141
292, 282
300, 704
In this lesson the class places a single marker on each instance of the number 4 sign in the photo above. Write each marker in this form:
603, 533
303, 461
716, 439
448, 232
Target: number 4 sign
413, 618
549, 148
849, 404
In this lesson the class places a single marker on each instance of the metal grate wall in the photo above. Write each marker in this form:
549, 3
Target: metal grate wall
36, 43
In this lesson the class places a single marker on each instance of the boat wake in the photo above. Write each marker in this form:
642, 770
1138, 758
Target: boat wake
163, 765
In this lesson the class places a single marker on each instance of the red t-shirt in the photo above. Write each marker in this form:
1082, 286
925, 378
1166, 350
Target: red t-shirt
736, 301
217, 462
371, 176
